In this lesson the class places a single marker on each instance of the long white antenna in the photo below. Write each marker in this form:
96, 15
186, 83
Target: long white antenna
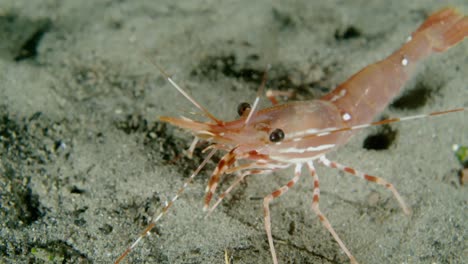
327, 131
166, 207
257, 98
186, 95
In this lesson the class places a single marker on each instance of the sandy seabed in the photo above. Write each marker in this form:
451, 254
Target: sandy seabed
85, 163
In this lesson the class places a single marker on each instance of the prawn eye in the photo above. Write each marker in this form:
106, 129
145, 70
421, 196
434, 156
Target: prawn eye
276, 135
242, 107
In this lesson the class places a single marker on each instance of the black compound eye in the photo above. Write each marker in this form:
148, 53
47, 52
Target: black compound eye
242, 107
276, 135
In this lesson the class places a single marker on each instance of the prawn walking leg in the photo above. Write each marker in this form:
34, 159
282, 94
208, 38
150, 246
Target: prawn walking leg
367, 177
240, 178
224, 163
323, 219
266, 208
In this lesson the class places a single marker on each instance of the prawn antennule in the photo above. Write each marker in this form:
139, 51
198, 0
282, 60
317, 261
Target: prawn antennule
185, 94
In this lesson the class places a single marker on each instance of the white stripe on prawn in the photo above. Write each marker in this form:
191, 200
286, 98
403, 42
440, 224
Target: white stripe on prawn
308, 149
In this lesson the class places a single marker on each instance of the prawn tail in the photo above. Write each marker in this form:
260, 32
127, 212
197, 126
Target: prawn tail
444, 29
